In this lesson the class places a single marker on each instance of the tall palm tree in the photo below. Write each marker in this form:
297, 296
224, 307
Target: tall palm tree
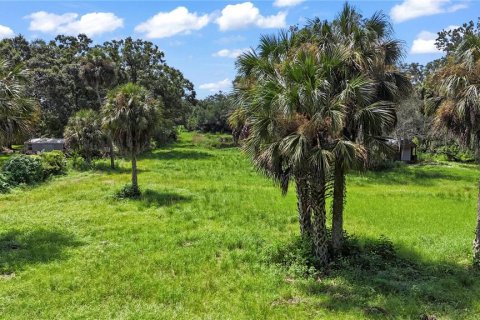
99, 72
295, 116
84, 134
131, 116
18, 113
457, 88
371, 85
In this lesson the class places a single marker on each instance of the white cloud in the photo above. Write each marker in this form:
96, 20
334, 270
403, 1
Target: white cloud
286, 3
217, 86
6, 32
410, 9
452, 27
425, 43
167, 24
92, 24
227, 53
245, 14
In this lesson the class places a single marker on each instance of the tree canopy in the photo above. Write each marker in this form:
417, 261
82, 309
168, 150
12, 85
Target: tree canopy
68, 74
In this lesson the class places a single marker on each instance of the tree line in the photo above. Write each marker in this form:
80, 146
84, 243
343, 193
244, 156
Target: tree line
68, 74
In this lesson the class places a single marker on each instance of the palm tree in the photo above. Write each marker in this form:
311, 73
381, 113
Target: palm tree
295, 116
371, 85
457, 88
84, 134
131, 116
18, 113
98, 71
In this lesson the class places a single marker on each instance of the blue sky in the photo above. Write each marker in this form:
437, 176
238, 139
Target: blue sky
202, 38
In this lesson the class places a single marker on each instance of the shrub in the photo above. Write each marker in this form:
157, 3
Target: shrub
296, 257
128, 192
23, 169
213, 141
53, 163
79, 163
4, 185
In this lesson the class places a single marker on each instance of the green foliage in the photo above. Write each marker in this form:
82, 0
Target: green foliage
23, 169
70, 74
18, 113
454, 152
79, 163
131, 117
211, 114
214, 141
4, 184
53, 163
128, 191
84, 135
296, 257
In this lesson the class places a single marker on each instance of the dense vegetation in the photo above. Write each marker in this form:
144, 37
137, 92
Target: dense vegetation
69, 74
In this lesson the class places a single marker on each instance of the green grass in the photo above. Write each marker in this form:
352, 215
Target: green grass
3, 158
194, 246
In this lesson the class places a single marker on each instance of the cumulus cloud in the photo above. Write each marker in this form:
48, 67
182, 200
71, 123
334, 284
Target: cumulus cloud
410, 9
216, 86
237, 16
6, 32
229, 53
92, 24
177, 21
425, 43
286, 3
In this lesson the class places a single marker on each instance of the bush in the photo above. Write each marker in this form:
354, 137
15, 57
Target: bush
53, 163
213, 141
23, 169
128, 192
4, 185
78, 163
296, 257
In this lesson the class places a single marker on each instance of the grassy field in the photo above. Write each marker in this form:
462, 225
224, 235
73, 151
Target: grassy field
196, 246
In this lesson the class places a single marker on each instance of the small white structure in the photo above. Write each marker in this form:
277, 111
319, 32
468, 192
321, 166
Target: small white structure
408, 150
37, 145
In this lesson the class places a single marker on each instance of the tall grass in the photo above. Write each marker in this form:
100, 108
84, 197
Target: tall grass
196, 245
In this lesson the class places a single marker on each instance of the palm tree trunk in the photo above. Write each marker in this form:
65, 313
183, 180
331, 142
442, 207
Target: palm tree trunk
476, 243
112, 154
99, 98
134, 172
88, 159
337, 208
304, 216
320, 237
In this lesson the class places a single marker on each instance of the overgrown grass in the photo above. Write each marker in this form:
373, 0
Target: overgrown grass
197, 244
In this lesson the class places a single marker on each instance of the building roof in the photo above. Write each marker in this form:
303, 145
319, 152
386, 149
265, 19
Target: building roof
46, 140
404, 143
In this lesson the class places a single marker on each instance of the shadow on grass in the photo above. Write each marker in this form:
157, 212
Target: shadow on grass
375, 280
414, 175
19, 249
104, 167
151, 198
177, 154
